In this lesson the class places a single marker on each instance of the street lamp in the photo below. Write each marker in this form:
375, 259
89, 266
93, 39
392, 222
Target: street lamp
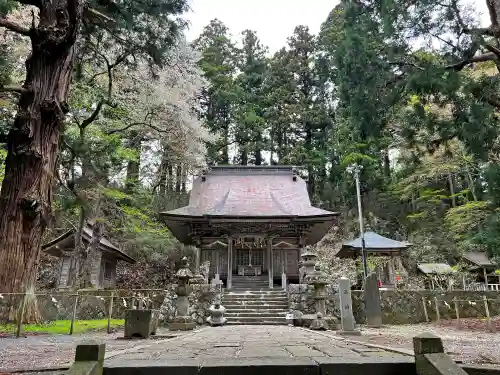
355, 169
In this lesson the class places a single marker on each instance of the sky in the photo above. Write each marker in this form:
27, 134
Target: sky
273, 20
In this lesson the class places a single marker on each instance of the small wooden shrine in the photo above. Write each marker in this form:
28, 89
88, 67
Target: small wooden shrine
250, 220
484, 269
104, 266
377, 245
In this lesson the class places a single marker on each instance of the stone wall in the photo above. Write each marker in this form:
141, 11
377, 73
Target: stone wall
300, 299
93, 304
406, 306
400, 306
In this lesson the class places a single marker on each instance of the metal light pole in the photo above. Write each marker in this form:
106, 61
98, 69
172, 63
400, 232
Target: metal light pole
355, 169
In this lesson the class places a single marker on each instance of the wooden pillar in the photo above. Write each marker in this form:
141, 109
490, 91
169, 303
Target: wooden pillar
485, 277
198, 258
270, 261
229, 262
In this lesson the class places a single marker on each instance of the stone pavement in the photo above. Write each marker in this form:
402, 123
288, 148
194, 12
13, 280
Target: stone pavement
249, 346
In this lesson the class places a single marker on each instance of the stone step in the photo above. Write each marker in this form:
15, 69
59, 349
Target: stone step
237, 306
257, 319
260, 323
256, 302
251, 314
242, 293
264, 310
248, 297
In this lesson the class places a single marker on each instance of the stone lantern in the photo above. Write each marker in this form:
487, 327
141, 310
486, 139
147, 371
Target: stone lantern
319, 281
182, 320
217, 311
308, 262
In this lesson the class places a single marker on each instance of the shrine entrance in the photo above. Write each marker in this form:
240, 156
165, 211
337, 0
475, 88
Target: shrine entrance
250, 262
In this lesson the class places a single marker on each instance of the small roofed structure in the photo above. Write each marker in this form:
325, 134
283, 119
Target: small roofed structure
437, 275
250, 220
377, 245
104, 266
482, 266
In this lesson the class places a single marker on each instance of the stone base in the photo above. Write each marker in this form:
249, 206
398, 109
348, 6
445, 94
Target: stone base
140, 323
182, 323
319, 324
348, 333
216, 322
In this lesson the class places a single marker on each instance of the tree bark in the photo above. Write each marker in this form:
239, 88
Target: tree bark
133, 166
26, 194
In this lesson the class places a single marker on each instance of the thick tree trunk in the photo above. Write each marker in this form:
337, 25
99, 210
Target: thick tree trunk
178, 177
26, 194
163, 171
133, 166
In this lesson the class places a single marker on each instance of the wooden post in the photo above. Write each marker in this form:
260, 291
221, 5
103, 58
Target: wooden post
20, 316
270, 262
487, 311
436, 304
110, 310
425, 310
455, 302
73, 315
229, 283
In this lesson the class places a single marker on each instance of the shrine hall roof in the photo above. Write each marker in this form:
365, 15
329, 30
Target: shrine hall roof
249, 191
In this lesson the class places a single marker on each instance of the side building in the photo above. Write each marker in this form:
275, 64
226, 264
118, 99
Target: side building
250, 220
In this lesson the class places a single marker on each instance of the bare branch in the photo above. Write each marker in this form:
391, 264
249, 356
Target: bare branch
89, 120
12, 26
17, 90
490, 56
406, 63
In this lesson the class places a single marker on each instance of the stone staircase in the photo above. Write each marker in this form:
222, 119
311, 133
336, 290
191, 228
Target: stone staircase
250, 301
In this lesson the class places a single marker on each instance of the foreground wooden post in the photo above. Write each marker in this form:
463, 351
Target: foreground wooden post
457, 312
430, 358
487, 311
73, 315
425, 310
436, 303
20, 316
89, 359
110, 311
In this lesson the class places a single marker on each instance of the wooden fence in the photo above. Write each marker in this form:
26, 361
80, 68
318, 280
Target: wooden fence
139, 298
482, 306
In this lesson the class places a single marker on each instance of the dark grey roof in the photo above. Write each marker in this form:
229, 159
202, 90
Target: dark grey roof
435, 268
249, 191
376, 241
479, 258
66, 241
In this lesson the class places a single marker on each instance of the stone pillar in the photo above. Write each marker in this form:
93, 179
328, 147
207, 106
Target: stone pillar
270, 261
373, 309
183, 321
229, 263
96, 269
319, 281
308, 262
346, 314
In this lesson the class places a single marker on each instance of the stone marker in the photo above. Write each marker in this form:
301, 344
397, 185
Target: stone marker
140, 323
373, 309
217, 311
346, 315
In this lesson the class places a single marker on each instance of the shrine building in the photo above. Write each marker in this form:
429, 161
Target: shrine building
250, 221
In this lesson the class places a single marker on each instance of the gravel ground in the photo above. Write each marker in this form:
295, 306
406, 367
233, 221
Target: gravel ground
466, 344
463, 344
44, 351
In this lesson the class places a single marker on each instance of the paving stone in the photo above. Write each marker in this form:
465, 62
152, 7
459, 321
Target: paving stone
251, 343
262, 366
303, 351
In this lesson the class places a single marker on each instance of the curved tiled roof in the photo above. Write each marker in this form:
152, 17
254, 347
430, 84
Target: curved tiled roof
249, 191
